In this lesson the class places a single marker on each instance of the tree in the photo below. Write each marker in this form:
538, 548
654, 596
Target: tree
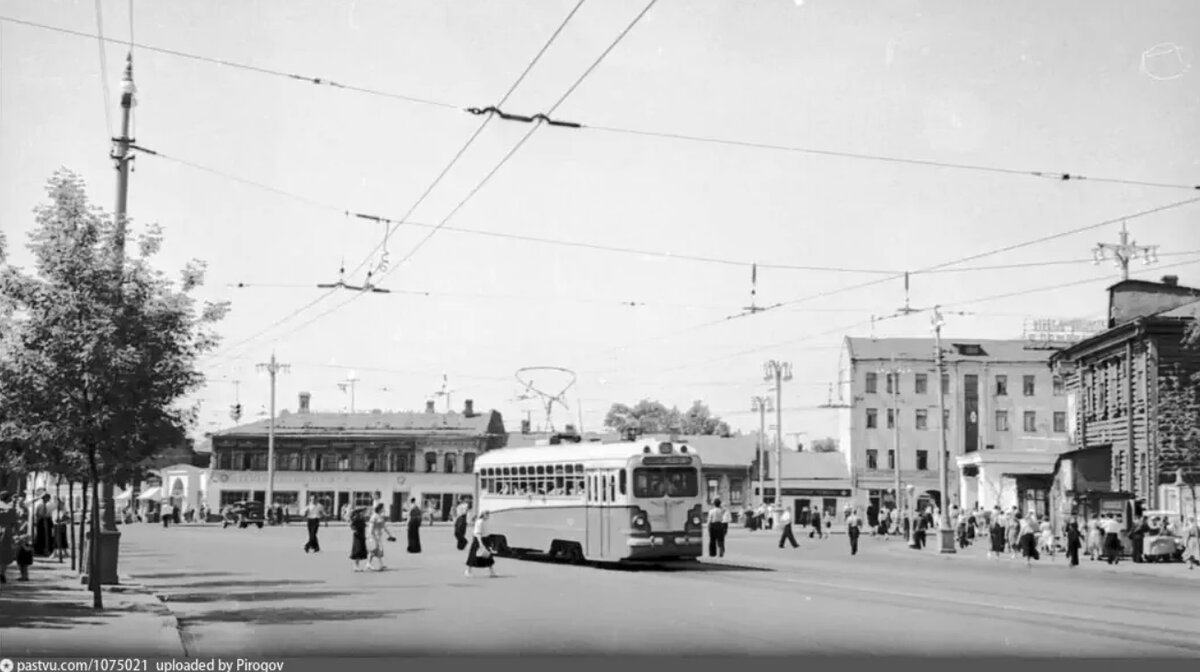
699, 421
105, 348
1179, 415
826, 445
652, 417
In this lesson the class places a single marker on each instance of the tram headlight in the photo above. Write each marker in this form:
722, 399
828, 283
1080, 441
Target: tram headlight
696, 520
639, 521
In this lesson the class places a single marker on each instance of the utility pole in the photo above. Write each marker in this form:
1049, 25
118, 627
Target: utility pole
780, 372
1124, 252
347, 384
272, 367
893, 381
761, 404
946, 532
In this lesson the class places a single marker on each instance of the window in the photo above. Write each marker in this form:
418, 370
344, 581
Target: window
224, 460
735, 491
450, 463
872, 459
1031, 421
372, 460
946, 419
921, 383
430, 462
669, 482
945, 383
258, 462
343, 462
469, 463
1001, 386
872, 418
1060, 386
922, 460
1027, 385
922, 419
1001, 421
622, 483
872, 382
891, 418
891, 459
888, 380
358, 462
363, 499
1060, 421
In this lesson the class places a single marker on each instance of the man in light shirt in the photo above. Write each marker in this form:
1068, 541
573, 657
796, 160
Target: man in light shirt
313, 513
785, 522
853, 529
716, 530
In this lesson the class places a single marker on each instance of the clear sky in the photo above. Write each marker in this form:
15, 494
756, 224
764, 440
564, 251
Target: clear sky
1028, 85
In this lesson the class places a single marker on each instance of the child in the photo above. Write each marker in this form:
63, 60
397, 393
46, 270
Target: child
24, 556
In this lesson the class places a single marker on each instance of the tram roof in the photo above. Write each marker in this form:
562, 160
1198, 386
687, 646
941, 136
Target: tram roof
576, 452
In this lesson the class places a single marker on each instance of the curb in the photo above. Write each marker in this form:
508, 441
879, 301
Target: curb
931, 552
128, 585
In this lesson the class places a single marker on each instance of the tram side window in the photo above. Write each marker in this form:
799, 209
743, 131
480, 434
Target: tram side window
612, 487
621, 484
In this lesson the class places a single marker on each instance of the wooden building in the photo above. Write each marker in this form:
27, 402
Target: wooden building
1115, 384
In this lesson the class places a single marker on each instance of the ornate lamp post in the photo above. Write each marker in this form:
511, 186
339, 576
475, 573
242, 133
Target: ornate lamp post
1124, 252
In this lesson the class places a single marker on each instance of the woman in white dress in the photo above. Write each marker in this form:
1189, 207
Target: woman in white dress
479, 555
379, 531
1046, 538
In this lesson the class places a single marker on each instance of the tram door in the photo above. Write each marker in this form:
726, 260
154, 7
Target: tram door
598, 533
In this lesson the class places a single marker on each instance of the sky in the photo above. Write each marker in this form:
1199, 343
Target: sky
257, 173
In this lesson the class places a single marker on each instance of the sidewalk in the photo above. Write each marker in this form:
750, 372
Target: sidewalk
978, 553
51, 615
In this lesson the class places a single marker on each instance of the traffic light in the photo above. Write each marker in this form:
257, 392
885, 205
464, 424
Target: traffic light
235, 412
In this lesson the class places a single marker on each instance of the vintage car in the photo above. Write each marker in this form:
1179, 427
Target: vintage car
243, 514
1164, 547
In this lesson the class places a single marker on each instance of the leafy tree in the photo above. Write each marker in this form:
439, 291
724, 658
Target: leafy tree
826, 445
699, 421
106, 346
1179, 415
651, 417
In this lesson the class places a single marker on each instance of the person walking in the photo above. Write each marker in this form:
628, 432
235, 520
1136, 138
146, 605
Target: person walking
414, 526
816, 525
1112, 540
1095, 539
1191, 543
1137, 537
726, 521
853, 530
1028, 539
996, 534
166, 513
313, 513
43, 527
1074, 542
1046, 537
378, 529
8, 532
460, 523
358, 538
785, 522
480, 555
716, 541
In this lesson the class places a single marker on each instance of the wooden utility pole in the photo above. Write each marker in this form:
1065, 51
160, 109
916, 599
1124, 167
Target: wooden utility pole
272, 367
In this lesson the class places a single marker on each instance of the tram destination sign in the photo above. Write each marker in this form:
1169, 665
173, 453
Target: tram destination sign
675, 459
808, 492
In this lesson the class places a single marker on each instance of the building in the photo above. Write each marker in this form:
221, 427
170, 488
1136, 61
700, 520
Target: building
809, 482
725, 465
1005, 419
342, 459
1117, 391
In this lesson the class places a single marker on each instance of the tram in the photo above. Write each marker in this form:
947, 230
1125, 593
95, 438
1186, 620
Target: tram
614, 502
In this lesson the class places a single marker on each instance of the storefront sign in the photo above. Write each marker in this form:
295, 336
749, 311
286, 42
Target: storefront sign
808, 492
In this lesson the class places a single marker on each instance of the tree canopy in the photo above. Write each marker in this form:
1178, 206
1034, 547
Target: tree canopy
103, 346
825, 445
652, 417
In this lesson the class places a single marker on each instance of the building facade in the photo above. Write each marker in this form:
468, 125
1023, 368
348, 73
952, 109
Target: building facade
342, 459
809, 482
1005, 419
1119, 383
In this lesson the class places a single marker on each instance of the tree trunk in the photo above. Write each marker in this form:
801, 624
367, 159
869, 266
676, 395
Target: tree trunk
58, 510
83, 514
94, 548
71, 522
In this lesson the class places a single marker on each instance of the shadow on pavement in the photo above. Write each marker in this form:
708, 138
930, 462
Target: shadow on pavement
249, 596
231, 585
38, 608
290, 615
181, 575
682, 566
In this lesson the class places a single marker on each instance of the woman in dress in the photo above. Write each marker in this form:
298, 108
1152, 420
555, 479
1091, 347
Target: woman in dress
358, 543
1046, 538
379, 532
479, 555
414, 526
1074, 542
1095, 540
1191, 543
997, 536
1028, 539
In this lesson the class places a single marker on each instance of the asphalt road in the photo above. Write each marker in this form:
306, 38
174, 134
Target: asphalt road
255, 592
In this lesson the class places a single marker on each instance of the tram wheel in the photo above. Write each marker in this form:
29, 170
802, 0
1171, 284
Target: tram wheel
574, 554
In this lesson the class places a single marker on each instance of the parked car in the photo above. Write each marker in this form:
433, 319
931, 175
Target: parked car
244, 514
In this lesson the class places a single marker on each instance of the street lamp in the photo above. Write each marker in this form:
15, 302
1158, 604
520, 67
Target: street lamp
946, 532
761, 404
893, 376
779, 372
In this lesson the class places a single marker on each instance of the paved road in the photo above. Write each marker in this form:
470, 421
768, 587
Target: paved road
255, 592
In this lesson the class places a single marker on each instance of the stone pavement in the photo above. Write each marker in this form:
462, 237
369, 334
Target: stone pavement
52, 615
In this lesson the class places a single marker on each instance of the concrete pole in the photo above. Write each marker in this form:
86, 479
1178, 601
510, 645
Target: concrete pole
946, 531
779, 438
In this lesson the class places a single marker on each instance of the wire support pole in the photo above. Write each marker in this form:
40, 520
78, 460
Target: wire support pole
893, 382
780, 372
273, 367
945, 530
761, 404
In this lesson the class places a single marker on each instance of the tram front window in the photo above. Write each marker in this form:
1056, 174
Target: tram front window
649, 483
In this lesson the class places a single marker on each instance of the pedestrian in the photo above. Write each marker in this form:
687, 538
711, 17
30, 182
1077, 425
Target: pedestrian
853, 529
1046, 538
165, 512
726, 521
43, 530
24, 556
8, 530
1074, 541
1112, 539
716, 541
414, 526
816, 525
379, 532
480, 555
460, 523
1095, 539
313, 513
997, 536
1028, 539
1137, 536
785, 522
1191, 543
358, 538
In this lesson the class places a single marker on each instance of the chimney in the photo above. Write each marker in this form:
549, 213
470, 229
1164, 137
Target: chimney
429, 407
469, 408
305, 397
1171, 280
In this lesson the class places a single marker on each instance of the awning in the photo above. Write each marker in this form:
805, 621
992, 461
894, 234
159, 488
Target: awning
152, 493
124, 496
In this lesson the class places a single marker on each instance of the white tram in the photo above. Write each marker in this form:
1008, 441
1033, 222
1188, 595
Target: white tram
592, 501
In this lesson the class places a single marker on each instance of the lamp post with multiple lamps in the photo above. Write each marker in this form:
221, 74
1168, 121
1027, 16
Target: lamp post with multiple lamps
892, 374
761, 404
1124, 252
779, 372
945, 530
272, 367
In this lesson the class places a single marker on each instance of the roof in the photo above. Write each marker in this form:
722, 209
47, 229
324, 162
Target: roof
518, 440
1007, 350
374, 423
1186, 311
719, 451
814, 466
573, 452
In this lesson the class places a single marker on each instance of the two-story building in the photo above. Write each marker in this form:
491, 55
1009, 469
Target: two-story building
1005, 419
1126, 447
342, 459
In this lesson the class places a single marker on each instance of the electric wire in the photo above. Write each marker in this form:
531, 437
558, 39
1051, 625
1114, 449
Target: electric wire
104, 70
